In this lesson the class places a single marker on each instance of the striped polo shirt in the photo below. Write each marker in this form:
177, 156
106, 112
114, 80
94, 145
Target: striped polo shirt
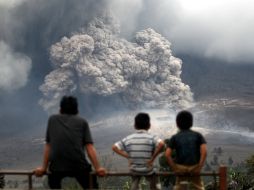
140, 146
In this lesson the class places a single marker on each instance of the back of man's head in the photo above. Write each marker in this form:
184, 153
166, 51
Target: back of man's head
69, 105
184, 120
142, 121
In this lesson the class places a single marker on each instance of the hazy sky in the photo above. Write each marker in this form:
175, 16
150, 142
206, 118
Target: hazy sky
216, 29
222, 28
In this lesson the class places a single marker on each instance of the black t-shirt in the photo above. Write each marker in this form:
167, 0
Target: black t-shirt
186, 144
67, 136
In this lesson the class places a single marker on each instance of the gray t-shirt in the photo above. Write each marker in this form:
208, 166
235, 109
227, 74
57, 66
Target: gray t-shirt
67, 136
186, 144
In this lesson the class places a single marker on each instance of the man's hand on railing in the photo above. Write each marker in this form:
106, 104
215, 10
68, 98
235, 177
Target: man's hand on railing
150, 163
101, 172
197, 170
174, 168
38, 172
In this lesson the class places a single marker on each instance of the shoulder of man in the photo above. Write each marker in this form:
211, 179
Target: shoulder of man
130, 136
81, 118
196, 132
200, 136
54, 116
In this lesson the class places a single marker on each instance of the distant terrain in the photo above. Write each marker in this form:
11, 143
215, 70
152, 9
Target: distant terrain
225, 123
223, 111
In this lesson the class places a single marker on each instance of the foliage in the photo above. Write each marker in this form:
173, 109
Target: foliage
2, 182
250, 165
242, 176
239, 180
169, 180
143, 184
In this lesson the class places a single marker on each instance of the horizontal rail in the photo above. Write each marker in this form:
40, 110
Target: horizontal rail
16, 172
222, 174
109, 173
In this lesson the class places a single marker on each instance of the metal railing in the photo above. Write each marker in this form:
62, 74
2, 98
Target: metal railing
221, 174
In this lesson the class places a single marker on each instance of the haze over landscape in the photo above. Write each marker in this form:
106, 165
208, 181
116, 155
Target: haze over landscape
120, 57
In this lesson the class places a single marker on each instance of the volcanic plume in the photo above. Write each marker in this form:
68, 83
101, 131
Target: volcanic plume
97, 61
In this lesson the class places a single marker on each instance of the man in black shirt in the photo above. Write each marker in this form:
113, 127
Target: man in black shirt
64, 155
190, 149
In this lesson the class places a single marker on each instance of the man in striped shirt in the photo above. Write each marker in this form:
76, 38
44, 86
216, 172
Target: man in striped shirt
140, 148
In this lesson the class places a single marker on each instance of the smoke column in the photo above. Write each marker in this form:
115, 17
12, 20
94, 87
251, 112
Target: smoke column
15, 68
96, 61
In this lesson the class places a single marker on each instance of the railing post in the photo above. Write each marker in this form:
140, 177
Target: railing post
90, 180
30, 182
223, 177
215, 186
154, 180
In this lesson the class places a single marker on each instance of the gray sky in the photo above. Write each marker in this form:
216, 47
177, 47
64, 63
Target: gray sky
221, 29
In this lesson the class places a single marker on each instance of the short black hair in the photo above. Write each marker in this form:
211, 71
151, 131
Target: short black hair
142, 121
69, 105
184, 120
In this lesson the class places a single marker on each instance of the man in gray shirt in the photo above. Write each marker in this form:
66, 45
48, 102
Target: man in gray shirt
64, 155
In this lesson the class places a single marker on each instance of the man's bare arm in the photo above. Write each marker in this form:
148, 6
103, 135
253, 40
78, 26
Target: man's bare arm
120, 152
203, 154
156, 152
42, 170
93, 158
169, 158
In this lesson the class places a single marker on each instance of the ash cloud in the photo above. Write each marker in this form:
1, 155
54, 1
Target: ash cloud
216, 29
15, 68
97, 61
